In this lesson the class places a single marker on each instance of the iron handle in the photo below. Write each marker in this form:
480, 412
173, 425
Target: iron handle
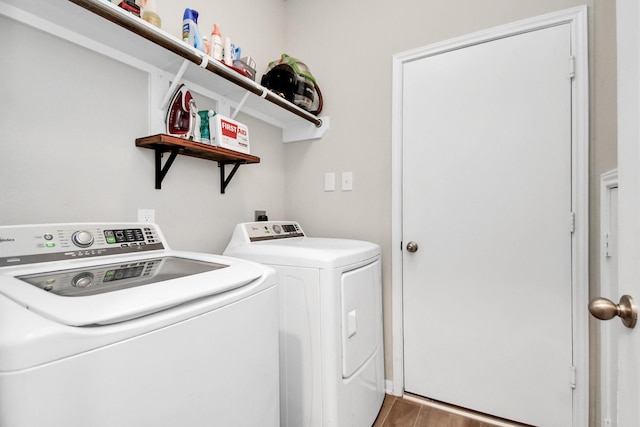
605, 309
412, 247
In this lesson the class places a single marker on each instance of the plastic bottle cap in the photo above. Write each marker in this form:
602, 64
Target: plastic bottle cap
216, 30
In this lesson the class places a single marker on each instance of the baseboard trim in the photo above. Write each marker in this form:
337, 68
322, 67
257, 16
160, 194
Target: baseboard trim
388, 388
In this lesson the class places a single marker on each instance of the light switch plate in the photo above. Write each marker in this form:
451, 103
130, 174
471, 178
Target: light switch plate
347, 181
329, 181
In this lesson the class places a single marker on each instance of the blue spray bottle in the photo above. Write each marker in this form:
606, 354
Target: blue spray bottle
190, 33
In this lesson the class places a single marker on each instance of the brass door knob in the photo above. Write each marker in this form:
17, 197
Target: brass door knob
605, 309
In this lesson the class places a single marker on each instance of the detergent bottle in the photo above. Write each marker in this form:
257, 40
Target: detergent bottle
190, 33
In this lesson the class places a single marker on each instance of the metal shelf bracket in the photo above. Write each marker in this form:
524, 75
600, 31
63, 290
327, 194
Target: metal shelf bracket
174, 84
225, 181
161, 171
240, 105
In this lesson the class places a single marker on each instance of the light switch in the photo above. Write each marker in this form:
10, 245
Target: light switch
329, 181
347, 181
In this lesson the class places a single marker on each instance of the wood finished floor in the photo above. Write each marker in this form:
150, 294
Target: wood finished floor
399, 412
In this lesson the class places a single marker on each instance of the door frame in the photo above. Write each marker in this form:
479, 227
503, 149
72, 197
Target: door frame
606, 352
577, 19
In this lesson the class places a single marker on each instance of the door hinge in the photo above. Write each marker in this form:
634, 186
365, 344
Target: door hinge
572, 222
572, 67
572, 377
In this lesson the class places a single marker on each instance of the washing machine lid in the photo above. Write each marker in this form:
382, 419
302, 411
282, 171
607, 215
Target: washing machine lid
284, 243
43, 269
112, 292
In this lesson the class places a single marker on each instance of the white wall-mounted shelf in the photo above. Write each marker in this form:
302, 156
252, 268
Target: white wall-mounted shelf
108, 29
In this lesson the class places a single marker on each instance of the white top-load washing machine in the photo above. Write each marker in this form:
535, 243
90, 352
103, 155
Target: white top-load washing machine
102, 325
331, 351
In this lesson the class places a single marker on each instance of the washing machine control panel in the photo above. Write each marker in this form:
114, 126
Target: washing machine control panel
104, 278
271, 230
28, 244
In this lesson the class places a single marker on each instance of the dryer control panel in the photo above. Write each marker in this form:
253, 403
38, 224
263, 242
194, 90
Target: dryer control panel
271, 230
26, 244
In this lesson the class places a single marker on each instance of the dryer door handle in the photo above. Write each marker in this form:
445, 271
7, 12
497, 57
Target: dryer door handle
352, 324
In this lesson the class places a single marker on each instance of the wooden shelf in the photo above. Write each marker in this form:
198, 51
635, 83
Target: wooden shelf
162, 143
194, 149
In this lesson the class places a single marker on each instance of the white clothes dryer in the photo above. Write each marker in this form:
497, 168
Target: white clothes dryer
103, 325
331, 350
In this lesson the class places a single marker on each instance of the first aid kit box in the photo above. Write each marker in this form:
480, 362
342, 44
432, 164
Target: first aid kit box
227, 133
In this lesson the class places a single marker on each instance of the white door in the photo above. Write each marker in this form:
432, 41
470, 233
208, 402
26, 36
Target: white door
487, 197
626, 368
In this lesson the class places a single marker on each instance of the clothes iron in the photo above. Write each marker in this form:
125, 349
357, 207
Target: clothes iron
182, 115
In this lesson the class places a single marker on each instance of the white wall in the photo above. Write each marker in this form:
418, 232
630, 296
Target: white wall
352, 58
255, 26
69, 119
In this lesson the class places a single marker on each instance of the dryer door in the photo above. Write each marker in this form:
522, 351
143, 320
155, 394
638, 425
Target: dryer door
361, 292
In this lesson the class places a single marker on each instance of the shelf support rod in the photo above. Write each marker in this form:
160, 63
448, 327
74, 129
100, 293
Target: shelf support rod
240, 105
161, 171
225, 181
174, 84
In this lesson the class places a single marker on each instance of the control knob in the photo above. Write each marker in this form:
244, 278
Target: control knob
82, 280
82, 239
